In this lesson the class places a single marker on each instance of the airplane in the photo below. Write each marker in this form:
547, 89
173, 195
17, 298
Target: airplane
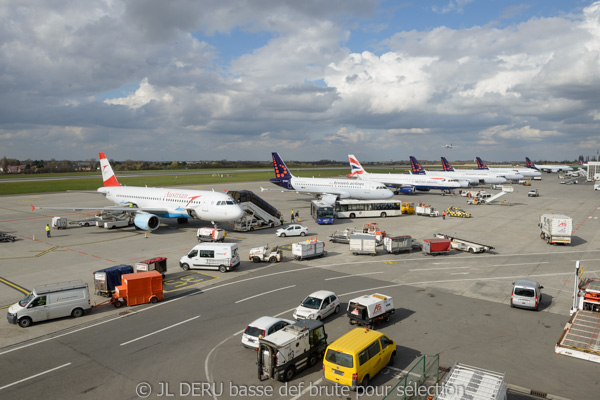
405, 183
547, 168
448, 146
508, 173
474, 177
147, 205
328, 189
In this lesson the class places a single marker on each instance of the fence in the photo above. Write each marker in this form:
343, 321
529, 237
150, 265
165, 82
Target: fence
413, 384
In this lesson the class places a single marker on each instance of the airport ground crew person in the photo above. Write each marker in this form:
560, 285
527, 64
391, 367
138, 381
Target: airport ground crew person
292, 216
47, 230
444, 214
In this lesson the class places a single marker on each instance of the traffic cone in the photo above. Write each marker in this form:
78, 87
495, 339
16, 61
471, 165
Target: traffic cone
33, 237
145, 235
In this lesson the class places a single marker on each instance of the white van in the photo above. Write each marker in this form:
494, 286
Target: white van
222, 256
51, 301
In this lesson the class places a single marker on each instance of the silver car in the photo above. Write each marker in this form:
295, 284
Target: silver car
526, 294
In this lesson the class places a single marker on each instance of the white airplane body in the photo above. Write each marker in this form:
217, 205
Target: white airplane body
406, 182
547, 168
148, 204
329, 189
474, 177
508, 173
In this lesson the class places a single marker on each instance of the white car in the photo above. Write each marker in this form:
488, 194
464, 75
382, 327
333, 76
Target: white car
264, 326
292, 230
318, 305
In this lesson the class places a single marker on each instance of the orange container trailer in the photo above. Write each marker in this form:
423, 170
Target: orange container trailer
139, 288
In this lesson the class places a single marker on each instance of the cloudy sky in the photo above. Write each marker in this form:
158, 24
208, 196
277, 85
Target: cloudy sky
238, 79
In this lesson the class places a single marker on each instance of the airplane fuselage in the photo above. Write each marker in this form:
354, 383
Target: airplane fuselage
343, 188
418, 181
474, 177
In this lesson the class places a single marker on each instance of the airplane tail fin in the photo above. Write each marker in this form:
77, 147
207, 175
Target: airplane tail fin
283, 175
481, 164
355, 168
530, 163
415, 166
108, 176
446, 165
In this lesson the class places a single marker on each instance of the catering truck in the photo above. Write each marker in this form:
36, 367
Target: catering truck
556, 228
370, 309
51, 301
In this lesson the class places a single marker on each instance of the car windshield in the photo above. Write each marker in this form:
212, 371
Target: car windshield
525, 292
312, 303
26, 300
341, 359
253, 331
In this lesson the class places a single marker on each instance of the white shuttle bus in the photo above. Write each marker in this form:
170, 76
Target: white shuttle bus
348, 208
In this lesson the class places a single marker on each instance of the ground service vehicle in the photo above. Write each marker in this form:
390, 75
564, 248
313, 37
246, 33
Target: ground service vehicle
322, 212
436, 246
356, 357
139, 288
457, 212
473, 383
427, 210
107, 279
318, 305
59, 223
154, 264
464, 244
218, 256
533, 193
51, 301
555, 228
370, 309
343, 236
265, 253
210, 235
400, 244
290, 350
5, 237
350, 208
363, 244
580, 335
526, 294
292, 230
309, 249
260, 328
372, 229
408, 208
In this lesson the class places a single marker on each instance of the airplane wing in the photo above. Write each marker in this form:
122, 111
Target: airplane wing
109, 208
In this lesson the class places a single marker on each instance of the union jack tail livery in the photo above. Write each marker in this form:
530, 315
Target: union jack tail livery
481, 164
355, 168
446, 165
108, 176
416, 167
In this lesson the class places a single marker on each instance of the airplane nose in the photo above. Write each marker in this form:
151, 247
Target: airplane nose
239, 213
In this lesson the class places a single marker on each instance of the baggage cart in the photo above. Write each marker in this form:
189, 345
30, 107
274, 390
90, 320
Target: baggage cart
139, 288
309, 249
436, 246
400, 244
107, 279
154, 264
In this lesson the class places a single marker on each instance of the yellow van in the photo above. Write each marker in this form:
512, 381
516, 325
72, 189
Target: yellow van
357, 357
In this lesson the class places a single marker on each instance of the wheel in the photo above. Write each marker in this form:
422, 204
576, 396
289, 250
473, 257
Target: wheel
25, 322
302, 234
351, 322
78, 312
255, 259
282, 235
86, 224
387, 319
383, 215
271, 224
312, 360
251, 228
222, 269
185, 266
154, 300
471, 250
352, 215
118, 304
289, 373
392, 358
365, 381
318, 318
337, 309
273, 259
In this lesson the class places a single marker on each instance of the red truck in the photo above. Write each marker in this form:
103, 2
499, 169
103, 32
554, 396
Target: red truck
436, 246
139, 288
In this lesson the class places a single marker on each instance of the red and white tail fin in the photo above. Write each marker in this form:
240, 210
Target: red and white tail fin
108, 176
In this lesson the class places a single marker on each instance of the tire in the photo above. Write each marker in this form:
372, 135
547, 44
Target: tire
282, 235
387, 319
118, 304
337, 309
289, 373
86, 224
383, 215
318, 318
273, 259
312, 360
302, 234
365, 381
154, 300
471, 250
391, 362
185, 267
255, 259
25, 322
351, 322
352, 215
222, 269
76, 313
251, 228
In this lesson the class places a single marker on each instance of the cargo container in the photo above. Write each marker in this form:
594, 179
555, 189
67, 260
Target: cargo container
107, 279
139, 288
363, 244
308, 249
555, 228
436, 246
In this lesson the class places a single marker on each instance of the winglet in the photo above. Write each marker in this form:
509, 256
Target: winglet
107, 172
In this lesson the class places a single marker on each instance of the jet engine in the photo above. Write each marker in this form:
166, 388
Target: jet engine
147, 222
406, 189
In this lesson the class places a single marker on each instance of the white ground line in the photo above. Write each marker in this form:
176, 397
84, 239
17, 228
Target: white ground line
34, 376
350, 276
315, 383
161, 330
511, 265
436, 269
262, 294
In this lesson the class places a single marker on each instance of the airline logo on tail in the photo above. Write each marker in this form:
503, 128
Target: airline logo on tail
530, 163
446, 165
416, 166
282, 174
481, 164
108, 176
355, 167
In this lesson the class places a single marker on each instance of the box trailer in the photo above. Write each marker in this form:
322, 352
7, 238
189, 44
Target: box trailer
154, 264
107, 279
363, 244
139, 288
308, 249
556, 228
427, 210
370, 309
436, 246
400, 244
210, 235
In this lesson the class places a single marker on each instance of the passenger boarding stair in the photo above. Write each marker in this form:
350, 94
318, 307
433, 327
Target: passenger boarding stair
257, 208
492, 199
